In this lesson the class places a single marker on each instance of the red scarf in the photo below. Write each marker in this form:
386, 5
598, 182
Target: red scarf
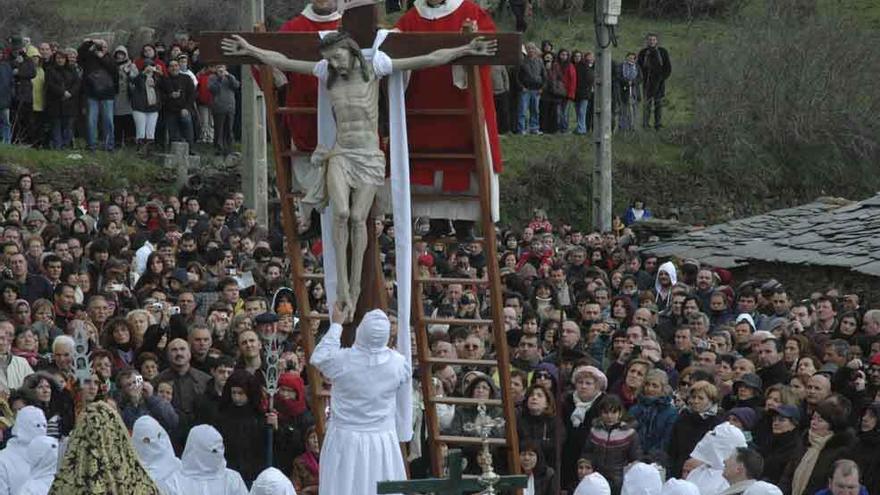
311, 462
291, 408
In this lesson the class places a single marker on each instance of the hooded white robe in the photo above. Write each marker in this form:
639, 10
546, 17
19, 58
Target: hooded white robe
715, 446
272, 482
153, 447
361, 446
675, 486
203, 466
42, 456
594, 484
30, 422
641, 479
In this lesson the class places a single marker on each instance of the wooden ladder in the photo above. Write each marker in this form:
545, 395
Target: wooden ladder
492, 281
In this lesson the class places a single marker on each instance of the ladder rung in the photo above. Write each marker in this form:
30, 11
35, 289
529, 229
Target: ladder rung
324, 394
443, 197
447, 240
470, 440
463, 362
319, 316
464, 401
442, 156
313, 276
448, 281
456, 321
437, 112
297, 110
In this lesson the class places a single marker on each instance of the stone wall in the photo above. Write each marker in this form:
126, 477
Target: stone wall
801, 280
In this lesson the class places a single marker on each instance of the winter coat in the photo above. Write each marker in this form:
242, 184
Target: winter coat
99, 77
152, 406
656, 417
544, 481
612, 449
126, 72
138, 94
776, 374
244, 433
586, 79
840, 446
656, 68
865, 454
568, 75
223, 91
575, 437
7, 85
779, 453
542, 431
59, 80
24, 88
531, 74
686, 432
184, 85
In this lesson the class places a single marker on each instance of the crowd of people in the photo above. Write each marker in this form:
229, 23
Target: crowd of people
50, 95
551, 88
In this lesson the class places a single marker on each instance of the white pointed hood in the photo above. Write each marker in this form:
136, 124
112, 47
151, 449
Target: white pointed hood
203, 457
371, 341
675, 486
719, 444
762, 488
42, 455
272, 482
642, 479
153, 447
30, 423
594, 484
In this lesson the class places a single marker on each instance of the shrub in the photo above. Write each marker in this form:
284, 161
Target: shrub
793, 105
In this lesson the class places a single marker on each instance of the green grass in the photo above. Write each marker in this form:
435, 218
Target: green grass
100, 170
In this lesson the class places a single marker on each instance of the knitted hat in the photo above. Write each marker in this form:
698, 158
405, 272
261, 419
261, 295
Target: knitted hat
600, 377
746, 416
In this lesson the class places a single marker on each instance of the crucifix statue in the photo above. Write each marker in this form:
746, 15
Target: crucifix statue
355, 166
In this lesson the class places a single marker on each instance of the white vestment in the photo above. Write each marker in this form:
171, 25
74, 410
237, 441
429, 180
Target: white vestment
42, 456
674, 486
153, 447
203, 466
272, 482
715, 446
641, 479
594, 484
30, 423
361, 446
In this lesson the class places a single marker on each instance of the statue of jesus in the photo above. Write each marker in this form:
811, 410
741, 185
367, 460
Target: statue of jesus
355, 166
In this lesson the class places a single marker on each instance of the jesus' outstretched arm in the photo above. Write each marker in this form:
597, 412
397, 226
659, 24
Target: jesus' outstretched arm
237, 46
478, 46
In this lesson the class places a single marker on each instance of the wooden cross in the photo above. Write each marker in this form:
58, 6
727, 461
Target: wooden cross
361, 22
455, 484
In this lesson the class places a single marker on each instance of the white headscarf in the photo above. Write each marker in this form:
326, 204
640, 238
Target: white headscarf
594, 484
153, 447
30, 423
371, 341
203, 457
719, 444
669, 268
676, 486
642, 479
272, 482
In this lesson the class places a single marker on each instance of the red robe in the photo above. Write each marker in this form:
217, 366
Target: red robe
433, 88
302, 90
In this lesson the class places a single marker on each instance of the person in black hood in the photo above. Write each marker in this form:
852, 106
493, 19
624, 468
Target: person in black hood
865, 451
243, 425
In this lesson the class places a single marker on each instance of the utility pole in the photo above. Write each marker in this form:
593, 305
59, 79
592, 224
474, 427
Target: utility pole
254, 174
606, 16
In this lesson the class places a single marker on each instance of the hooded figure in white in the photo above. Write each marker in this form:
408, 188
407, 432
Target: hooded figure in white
30, 423
642, 479
272, 482
153, 447
663, 292
675, 486
203, 467
361, 446
712, 450
42, 456
594, 484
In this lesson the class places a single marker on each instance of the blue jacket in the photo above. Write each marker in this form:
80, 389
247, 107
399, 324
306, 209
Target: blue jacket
655, 416
826, 491
6, 85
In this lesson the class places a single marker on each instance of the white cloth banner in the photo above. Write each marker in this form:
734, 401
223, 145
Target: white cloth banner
401, 209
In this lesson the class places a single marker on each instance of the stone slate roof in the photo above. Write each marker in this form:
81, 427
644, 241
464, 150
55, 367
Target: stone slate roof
827, 232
